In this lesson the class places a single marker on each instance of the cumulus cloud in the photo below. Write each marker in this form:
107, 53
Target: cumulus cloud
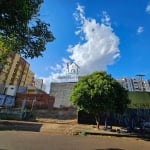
105, 18
148, 9
140, 30
98, 47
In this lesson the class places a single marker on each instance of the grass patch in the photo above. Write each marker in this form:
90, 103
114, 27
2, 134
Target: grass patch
139, 100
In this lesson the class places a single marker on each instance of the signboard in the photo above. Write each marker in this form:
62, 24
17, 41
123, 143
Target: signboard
7, 100
2, 99
71, 72
73, 68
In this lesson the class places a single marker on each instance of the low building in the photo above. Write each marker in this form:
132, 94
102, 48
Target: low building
41, 101
39, 84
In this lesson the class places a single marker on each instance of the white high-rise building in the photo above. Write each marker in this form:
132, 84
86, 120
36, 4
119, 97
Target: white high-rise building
126, 83
134, 84
146, 85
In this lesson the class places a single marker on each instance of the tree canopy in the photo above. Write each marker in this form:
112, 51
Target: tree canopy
99, 92
21, 29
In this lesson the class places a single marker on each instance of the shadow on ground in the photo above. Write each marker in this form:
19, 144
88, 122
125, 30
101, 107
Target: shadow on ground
19, 126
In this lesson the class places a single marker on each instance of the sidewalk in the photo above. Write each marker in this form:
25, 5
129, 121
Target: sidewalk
73, 128
64, 127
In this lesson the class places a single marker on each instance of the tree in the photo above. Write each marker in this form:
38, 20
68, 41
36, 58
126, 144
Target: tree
21, 29
97, 93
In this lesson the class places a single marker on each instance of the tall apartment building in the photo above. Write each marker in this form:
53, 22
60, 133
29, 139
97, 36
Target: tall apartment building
16, 72
146, 85
126, 83
29, 79
135, 84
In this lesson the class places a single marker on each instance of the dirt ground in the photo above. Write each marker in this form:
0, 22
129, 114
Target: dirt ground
67, 129
64, 122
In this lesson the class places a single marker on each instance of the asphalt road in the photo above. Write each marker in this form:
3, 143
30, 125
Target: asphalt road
18, 140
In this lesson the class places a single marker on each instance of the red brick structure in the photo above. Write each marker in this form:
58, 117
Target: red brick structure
43, 101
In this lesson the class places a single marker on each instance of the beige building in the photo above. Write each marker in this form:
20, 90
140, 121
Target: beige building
16, 72
29, 79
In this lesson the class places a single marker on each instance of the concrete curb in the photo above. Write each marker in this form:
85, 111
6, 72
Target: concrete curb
77, 130
118, 135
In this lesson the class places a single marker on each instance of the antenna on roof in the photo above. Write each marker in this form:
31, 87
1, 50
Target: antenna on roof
140, 76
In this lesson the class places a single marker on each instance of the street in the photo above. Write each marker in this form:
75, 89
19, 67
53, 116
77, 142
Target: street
19, 140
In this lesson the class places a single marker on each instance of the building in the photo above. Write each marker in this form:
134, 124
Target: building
16, 72
38, 83
33, 90
44, 87
41, 100
135, 84
146, 85
30, 79
61, 92
126, 83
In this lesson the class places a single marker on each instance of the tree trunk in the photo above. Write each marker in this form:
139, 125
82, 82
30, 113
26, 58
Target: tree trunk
97, 117
106, 122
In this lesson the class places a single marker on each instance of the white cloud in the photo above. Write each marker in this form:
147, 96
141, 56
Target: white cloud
140, 29
56, 68
105, 18
100, 44
148, 8
97, 49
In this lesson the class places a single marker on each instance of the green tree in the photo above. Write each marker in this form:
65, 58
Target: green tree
98, 93
21, 29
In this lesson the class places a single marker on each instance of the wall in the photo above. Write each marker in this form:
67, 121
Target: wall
61, 92
43, 101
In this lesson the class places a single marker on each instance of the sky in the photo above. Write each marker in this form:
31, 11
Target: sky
97, 35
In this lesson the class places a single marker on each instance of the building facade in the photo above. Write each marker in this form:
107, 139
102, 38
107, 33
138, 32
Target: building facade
16, 72
38, 83
135, 84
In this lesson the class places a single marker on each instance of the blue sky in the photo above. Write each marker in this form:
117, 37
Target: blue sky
110, 35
